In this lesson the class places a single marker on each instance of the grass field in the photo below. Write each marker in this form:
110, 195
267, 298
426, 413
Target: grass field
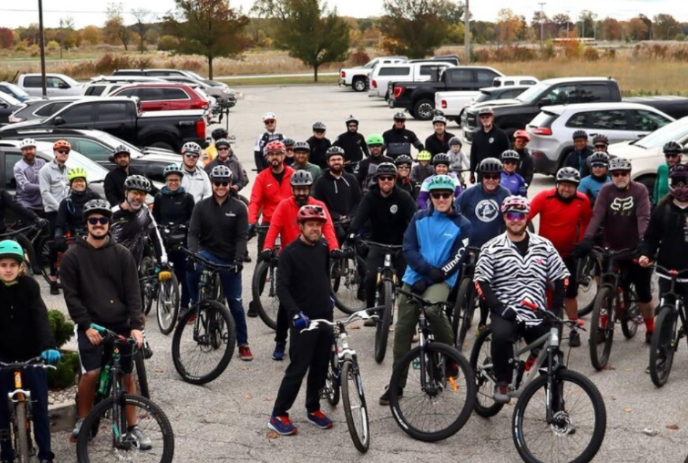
328, 80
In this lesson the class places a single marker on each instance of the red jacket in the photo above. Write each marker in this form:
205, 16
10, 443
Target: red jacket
284, 224
267, 193
564, 224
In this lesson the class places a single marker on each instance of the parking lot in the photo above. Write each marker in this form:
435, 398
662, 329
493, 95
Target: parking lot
226, 419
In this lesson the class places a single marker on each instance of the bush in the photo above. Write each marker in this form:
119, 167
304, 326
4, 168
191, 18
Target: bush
680, 37
168, 43
65, 374
52, 45
61, 328
359, 57
547, 51
482, 55
591, 54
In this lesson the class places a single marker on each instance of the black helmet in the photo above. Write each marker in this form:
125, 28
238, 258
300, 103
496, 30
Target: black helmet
222, 142
490, 166
219, 133
399, 116
288, 142
403, 159
568, 174
99, 206
512, 155
580, 134
455, 141
137, 182
334, 150
302, 146
599, 157
619, 164
351, 119
672, 147
319, 126
220, 173
600, 138
386, 168
301, 178
441, 158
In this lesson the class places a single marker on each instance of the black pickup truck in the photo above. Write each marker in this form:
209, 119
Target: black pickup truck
516, 114
121, 117
418, 98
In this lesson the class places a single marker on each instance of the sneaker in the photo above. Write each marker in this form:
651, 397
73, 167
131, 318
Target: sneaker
574, 339
319, 419
370, 322
251, 313
247, 258
414, 339
647, 370
384, 398
501, 393
648, 337
143, 442
481, 327
54, 288
245, 353
452, 370
278, 354
77, 429
282, 425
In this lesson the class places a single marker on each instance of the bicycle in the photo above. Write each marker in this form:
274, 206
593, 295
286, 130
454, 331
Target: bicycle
206, 332
344, 364
20, 405
264, 286
152, 277
666, 337
385, 295
587, 276
26, 236
105, 431
167, 310
442, 395
554, 391
615, 300
467, 299
347, 276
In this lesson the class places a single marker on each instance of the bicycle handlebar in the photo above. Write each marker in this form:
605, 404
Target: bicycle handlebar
391, 247
578, 322
423, 302
36, 362
118, 338
208, 263
358, 315
671, 272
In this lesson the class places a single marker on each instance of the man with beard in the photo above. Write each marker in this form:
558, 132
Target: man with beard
367, 167
284, 225
399, 135
114, 180
195, 181
438, 142
270, 135
99, 278
489, 141
353, 144
226, 157
26, 175
319, 145
301, 153
516, 266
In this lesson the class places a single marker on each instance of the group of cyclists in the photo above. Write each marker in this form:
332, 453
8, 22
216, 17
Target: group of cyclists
316, 196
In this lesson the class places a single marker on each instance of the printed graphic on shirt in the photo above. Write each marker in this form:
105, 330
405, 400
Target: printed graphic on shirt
685, 228
622, 206
487, 210
394, 209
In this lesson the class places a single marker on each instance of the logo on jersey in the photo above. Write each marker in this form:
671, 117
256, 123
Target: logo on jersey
622, 206
487, 210
491, 140
394, 209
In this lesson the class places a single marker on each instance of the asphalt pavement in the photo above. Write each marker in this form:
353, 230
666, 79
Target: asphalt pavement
226, 419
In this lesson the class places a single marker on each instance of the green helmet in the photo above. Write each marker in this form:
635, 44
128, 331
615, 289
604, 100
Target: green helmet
441, 182
375, 139
11, 249
424, 156
76, 172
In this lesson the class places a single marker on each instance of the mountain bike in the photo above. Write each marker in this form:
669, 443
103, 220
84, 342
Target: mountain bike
205, 337
156, 280
666, 337
560, 414
467, 299
264, 286
20, 406
106, 433
348, 279
587, 276
167, 310
616, 299
440, 390
27, 237
344, 365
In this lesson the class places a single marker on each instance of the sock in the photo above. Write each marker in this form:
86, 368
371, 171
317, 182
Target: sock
603, 320
650, 324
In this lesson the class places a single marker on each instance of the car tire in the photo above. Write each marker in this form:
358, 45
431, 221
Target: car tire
358, 84
423, 110
162, 145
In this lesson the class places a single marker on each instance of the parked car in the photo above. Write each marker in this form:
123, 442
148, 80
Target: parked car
453, 104
105, 85
356, 77
176, 75
56, 85
164, 96
14, 91
42, 108
121, 116
8, 105
514, 80
223, 94
384, 74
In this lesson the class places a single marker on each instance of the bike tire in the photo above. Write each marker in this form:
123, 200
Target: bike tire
332, 382
147, 265
345, 287
484, 379
465, 380
663, 345
22, 437
141, 375
360, 437
629, 327
259, 285
207, 309
587, 265
463, 313
45, 258
383, 323
103, 411
600, 415
603, 301
167, 308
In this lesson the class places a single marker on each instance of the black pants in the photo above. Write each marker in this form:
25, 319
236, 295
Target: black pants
375, 260
282, 325
262, 233
309, 352
504, 335
52, 254
178, 260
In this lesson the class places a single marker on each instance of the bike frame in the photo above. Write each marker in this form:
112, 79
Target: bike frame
678, 306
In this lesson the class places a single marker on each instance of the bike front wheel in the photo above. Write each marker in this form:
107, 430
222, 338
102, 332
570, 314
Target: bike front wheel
629, 325
602, 328
115, 442
355, 408
147, 290
21, 436
463, 312
347, 279
481, 363
331, 391
140, 375
586, 270
264, 292
438, 394
663, 345
576, 430
168, 304
384, 322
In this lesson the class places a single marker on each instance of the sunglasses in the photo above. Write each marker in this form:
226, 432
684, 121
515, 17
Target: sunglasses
374, 146
443, 195
63, 151
491, 176
404, 167
386, 178
671, 155
486, 116
221, 184
619, 174
399, 121
269, 122
352, 126
223, 149
319, 131
191, 155
601, 146
98, 220
515, 216
599, 166
509, 162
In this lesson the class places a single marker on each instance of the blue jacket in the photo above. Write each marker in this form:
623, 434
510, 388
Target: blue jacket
514, 183
482, 210
590, 186
437, 240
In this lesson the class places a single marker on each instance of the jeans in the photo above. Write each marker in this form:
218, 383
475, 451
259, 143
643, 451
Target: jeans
231, 283
178, 260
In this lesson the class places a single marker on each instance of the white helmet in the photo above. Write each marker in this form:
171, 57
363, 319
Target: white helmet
268, 116
26, 143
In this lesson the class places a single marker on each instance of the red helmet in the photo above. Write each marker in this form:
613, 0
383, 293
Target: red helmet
61, 144
275, 146
521, 134
310, 212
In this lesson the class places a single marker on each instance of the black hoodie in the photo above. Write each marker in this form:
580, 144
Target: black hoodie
404, 135
388, 216
101, 285
354, 146
340, 195
70, 215
319, 147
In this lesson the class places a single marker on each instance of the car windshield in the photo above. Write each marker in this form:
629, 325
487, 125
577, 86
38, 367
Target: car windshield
9, 99
113, 142
371, 64
16, 91
533, 92
676, 131
484, 96
195, 76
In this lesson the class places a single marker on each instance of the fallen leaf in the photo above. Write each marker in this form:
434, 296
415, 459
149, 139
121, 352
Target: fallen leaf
248, 397
272, 435
629, 370
244, 367
673, 427
269, 399
355, 327
628, 410
609, 367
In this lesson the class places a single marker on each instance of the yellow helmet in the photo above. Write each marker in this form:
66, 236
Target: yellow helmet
424, 156
76, 172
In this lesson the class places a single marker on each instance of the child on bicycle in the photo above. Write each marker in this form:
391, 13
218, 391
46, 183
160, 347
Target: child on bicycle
458, 159
24, 334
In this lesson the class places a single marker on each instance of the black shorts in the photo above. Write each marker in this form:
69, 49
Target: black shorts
91, 357
572, 266
641, 278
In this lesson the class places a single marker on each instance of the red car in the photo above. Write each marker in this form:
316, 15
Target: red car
163, 96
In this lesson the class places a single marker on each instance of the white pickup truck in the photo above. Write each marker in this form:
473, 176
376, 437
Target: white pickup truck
56, 85
384, 74
356, 77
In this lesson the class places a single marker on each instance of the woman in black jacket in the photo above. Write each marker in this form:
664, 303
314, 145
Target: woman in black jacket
70, 215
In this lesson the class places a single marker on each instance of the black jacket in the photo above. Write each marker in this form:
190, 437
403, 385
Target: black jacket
525, 166
488, 145
388, 216
319, 149
220, 229
24, 328
437, 146
239, 177
70, 215
366, 169
101, 285
8, 202
667, 233
341, 195
579, 161
404, 135
173, 207
354, 146
114, 185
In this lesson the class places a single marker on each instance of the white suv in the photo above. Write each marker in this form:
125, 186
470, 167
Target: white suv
356, 77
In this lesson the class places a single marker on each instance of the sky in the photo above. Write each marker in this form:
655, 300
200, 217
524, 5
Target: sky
86, 12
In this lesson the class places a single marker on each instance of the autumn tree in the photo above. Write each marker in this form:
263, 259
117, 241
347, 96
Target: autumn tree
414, 28
636, 29
115, 31
563, 23
586, 23
308, 30
209, 28
91, 34
141, 15
509, 26
665, 27
6, 38
611, 29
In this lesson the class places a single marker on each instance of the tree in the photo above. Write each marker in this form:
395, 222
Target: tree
563, 23
509, 25
414, 28
6, 38
310, 31
586, 20
648, 25
91, 34
115, 30
208, 27
636, 29
141, 15
611, 29
665, 27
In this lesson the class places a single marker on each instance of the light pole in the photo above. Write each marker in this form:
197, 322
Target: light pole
42, 45
568, 21
467, 32
542, 22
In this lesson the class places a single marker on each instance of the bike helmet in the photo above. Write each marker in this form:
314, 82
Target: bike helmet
439, 118
27, 143
619, 164
334, 151
515, 204
319, 126
568, 174
269, 116
511, 155
121, 149
425, 156
137, 182
375, 139
403, 159
455, 141
218, 134
301, 178
599, 157
62, 144
521, 134
172, 169
311, 212
399, 116
222, 142
580, 134
486, 110
678, 182
10, 249
99, 206
441, 158
672, 147
76, 172
351, 120
275, 146
490, 166
288, 142
441, 182
386, 168
191, 147
220, 173
302, 146
600, 138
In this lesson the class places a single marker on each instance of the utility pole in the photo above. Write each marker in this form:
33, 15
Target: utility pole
568, 21
40, 29
61, 36
467, 32
542, 22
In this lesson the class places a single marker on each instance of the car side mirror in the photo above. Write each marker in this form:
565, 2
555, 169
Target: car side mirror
59, 121
63, 85
3, 104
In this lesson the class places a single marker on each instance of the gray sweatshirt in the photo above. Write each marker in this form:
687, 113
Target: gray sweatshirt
28, 189
54, 185
196, 183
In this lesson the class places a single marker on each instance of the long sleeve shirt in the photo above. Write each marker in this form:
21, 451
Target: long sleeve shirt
220, 229
28, 188
284, 224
